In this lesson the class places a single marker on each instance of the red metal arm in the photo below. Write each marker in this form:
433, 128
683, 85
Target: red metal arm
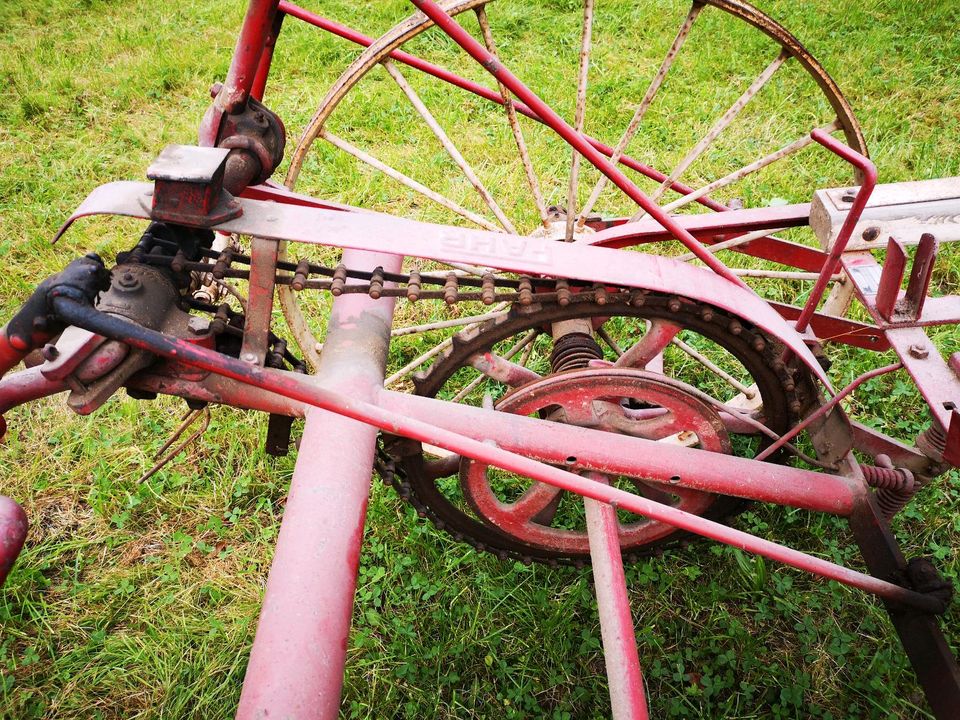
832, 265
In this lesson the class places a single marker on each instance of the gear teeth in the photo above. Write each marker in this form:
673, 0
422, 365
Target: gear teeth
534, 315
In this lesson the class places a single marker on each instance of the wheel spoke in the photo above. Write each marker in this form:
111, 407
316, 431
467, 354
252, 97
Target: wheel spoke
373, 162
737, 175
532, 181
715, 369
611, 343
441, 324
448, 145
579, 115
728, 117
539, 503
732, 243
642, 108
654, 340
502, 369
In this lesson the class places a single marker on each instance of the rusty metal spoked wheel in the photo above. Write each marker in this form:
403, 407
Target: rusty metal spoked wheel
452, 157
641, 383
631, 402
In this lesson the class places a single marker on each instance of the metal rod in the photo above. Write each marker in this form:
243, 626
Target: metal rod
532, 180
441, 324
715, 369
832, 263
448, 145
732, 243
297, 661
826, 407
579, 116
642, 108
728, 117
577, 141
373, 162
627, 699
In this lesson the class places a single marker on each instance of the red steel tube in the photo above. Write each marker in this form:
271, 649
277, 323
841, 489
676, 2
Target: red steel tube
297, 661
479, 53
353, 407
347, 33
13, 532
825, 408
246, 56
627, 698
832, 263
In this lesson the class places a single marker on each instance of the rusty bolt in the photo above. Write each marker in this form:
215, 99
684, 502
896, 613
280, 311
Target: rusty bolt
198, 325
128, 281
918, 351
849, 196
50, 352
871, 234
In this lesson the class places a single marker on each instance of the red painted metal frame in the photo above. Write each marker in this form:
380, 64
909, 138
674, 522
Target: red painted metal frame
297, 662
314, 392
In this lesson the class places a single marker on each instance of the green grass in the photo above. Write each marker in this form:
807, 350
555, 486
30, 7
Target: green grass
140, 600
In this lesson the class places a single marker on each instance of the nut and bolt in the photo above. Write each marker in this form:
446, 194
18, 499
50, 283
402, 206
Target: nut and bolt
128, 280
248, 357
50, 352
198, 325
918, 351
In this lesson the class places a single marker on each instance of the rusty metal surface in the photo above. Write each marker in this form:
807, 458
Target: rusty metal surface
523, 255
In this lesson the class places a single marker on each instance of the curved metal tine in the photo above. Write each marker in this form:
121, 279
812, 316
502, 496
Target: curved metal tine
409, 182
500, 368
728, 117
579, 115
532, 181
634, 125
737, 175
448, 145
648, 347
749, 392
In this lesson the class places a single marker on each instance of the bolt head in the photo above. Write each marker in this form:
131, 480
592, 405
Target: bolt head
198, 325
918, 351
249, 357
50, 352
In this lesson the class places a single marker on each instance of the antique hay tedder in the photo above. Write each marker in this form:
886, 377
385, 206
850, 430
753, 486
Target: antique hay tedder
578, 401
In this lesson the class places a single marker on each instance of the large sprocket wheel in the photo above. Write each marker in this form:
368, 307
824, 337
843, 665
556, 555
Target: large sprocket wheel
660, 391
715, 94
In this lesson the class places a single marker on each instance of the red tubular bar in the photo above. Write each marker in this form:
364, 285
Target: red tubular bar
832, 264
825, 408
13, 532
335, 28
353, 407
296, 664
573, 138
246, 56
627, 698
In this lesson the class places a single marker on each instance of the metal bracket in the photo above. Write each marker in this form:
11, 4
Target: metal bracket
188, 187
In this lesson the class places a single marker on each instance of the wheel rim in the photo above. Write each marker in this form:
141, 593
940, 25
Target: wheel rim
432, 482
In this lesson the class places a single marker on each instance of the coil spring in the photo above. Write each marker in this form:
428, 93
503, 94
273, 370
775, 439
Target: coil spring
932, 442
573, 351
895, 486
